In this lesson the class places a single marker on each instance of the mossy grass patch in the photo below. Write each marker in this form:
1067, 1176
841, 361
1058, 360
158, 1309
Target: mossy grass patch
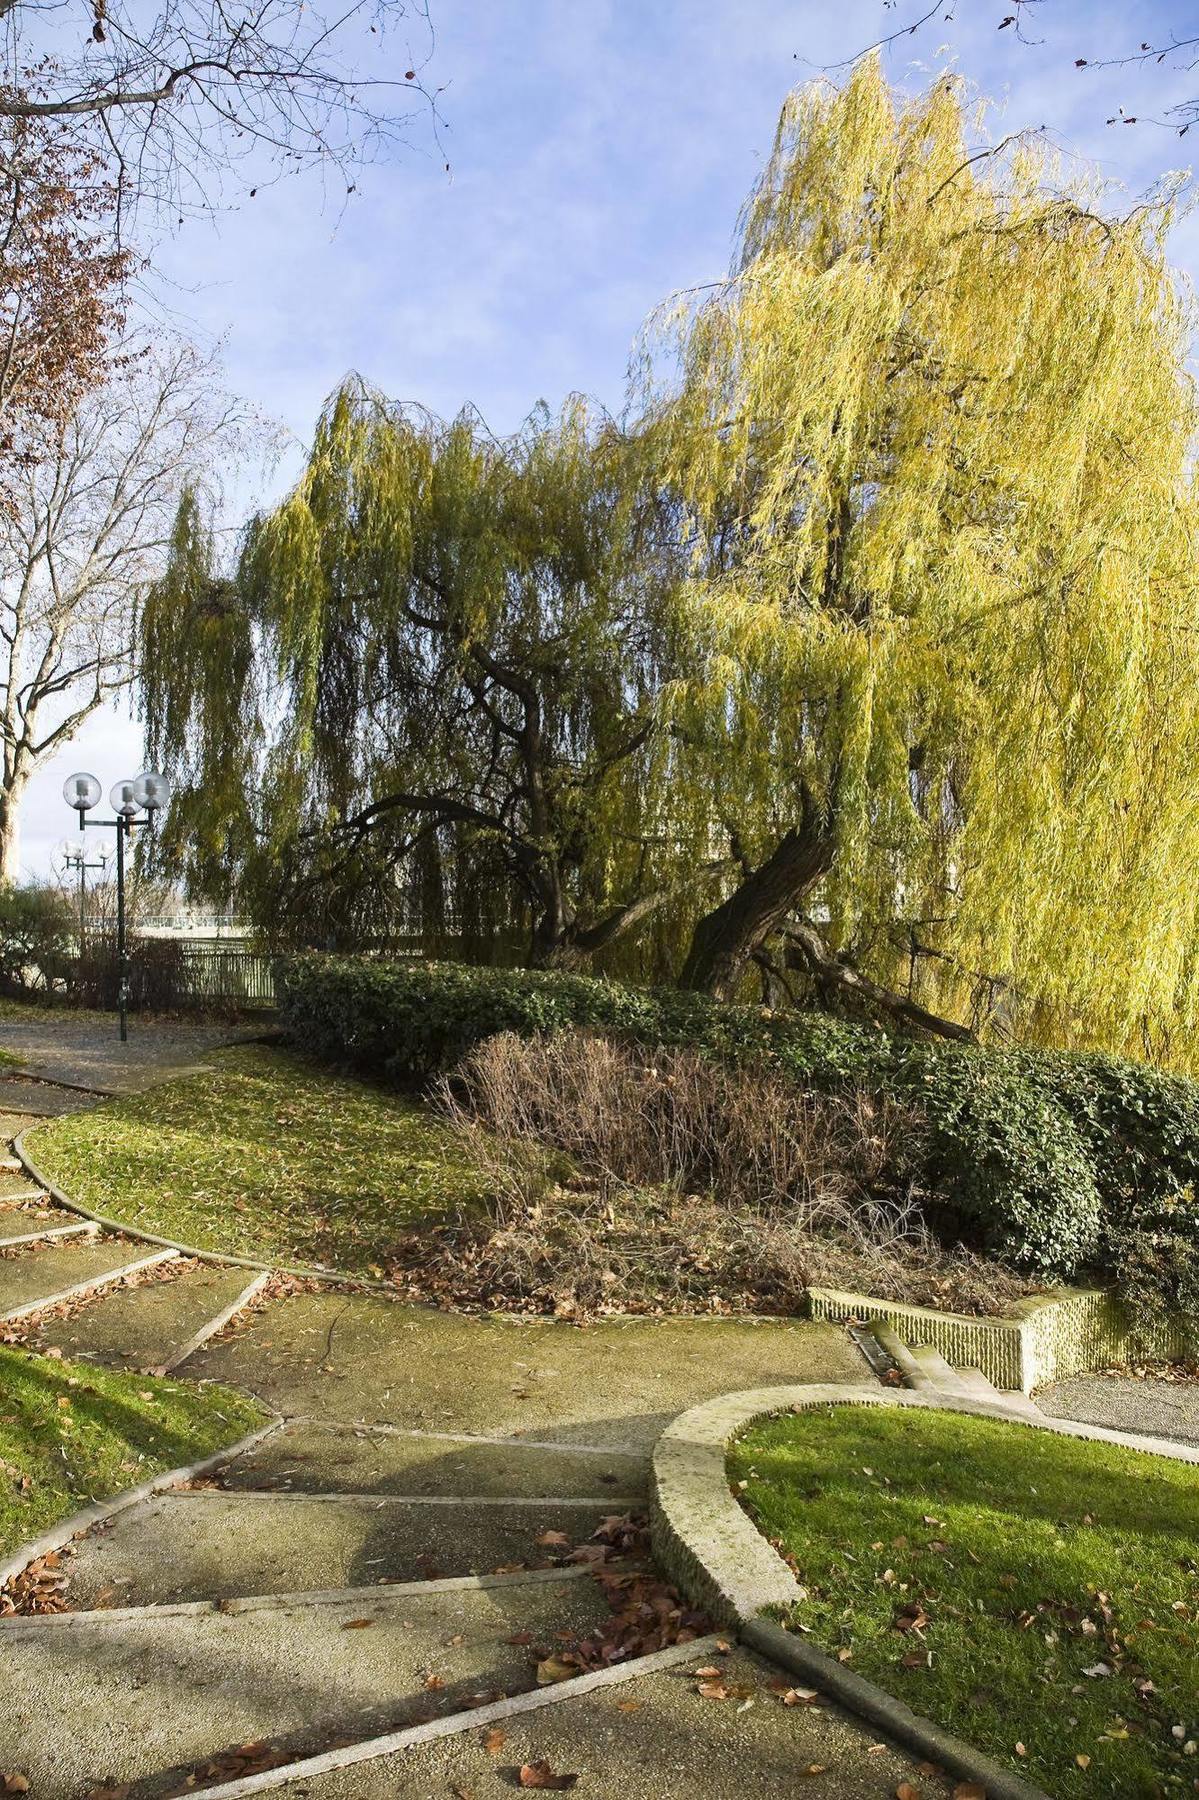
266, 1157
71, 1433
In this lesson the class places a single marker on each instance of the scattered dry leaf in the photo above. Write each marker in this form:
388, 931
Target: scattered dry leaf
540, 1775
552, 1669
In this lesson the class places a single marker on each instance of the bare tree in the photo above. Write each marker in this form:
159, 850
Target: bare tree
179, 95
90, 524
1177, 50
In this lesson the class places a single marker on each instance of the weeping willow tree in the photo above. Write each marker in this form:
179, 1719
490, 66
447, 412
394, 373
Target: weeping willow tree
429, 695
933, 436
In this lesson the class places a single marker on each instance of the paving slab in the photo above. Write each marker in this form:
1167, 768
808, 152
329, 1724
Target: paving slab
130, 1698
617, 1382
44, 1099
14, 1183
316, 1458
146, 1326
1147, 1405
17, 1222
653, 1737
210, 1544
12, 1124
30, 1274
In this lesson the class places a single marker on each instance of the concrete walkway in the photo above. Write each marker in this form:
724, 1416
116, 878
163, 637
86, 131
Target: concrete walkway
84, 1049
376, 1600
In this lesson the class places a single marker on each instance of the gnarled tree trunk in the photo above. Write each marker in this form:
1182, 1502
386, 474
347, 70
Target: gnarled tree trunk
726, 939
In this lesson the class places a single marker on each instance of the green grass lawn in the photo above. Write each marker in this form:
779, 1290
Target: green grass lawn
266, 1157
1019, 1588
71, 1433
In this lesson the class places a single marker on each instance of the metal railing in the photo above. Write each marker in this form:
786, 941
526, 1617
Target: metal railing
242, 977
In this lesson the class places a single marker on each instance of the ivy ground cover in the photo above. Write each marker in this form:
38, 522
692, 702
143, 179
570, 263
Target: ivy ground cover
1036, 1594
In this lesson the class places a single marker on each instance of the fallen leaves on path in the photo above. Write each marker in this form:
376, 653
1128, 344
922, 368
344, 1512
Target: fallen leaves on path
27, 1330
552, 1669
646, 1613
41, 1587
247, 1759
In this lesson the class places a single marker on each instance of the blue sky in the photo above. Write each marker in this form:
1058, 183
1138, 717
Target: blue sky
599, 152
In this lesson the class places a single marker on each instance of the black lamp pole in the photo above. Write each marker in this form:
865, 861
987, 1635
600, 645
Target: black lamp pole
75, 859
135, 802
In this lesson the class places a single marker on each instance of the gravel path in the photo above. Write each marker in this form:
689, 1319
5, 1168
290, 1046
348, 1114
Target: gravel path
1145, 1404
84, 1047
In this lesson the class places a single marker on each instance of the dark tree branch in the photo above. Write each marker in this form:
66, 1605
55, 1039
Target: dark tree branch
835, 974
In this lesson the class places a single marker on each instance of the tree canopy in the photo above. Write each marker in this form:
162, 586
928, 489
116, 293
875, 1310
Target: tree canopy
86, 526
935, 437
442, 655
862, 659
62, 284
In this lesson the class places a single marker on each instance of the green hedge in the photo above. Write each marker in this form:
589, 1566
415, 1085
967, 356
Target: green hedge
1056, 1162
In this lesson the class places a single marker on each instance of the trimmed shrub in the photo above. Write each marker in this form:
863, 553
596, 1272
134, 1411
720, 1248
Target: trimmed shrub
36, 939
1004, 1163
1008, 1170
412, 1021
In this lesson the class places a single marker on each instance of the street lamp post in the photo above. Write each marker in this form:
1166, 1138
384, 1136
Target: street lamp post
76, 859
145, 793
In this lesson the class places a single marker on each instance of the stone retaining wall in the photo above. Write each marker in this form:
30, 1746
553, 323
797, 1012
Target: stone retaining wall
1045, 1338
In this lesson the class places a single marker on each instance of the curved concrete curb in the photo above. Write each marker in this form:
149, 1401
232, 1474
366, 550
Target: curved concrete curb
66, 1529
709, 1546
335, 1277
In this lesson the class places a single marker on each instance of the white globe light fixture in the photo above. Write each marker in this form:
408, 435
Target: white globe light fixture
151, 790
81, 791
121, 799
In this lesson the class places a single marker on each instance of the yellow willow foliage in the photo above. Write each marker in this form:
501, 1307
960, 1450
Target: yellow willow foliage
934, 438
